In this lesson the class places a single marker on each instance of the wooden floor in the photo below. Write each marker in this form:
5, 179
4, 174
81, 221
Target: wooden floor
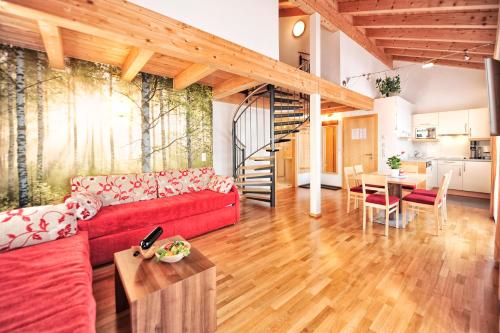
279, 270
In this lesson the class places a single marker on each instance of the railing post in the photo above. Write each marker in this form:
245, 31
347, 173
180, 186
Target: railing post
234, 150
271, 123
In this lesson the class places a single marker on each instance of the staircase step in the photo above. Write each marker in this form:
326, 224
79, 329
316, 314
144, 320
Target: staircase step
286, 131
255, 183
282, 140
257, 167
287, 123
288, 107
255, 175
285, 99
271, 150
258, 197
256, 190
288, 114
262, 158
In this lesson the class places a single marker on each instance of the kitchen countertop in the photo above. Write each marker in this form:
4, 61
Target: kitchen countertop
427, 159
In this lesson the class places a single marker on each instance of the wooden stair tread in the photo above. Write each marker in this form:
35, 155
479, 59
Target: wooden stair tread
257, 167
256, 174
254, 183
257, 190
262, 158
257, 197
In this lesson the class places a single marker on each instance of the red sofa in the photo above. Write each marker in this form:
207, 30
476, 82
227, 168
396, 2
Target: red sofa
47, 288
116, 228
134, 204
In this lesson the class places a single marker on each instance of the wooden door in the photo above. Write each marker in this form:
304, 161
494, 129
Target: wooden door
359, 137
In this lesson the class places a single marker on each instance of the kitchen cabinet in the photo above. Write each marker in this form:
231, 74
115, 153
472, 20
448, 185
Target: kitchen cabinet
432, 178
395, 115
425, 120
456, 182
477, 176
479, 124
453, 122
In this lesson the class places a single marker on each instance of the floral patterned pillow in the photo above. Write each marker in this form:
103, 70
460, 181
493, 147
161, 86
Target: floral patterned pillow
180, 181
86, 204
34, 225
118, 189
222, 184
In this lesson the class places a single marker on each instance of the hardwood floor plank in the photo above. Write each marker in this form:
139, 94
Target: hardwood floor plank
279, 270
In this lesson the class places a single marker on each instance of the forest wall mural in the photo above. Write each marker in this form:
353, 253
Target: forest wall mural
84, 120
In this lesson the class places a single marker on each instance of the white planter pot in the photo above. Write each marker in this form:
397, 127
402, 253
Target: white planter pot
394, 172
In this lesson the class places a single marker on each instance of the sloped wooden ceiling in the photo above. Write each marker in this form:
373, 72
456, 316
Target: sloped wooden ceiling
136, 39
414, 30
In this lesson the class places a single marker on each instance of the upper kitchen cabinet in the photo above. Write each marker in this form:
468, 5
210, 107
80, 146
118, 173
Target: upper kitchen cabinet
425, 120
396, 115
453, 122
479, 124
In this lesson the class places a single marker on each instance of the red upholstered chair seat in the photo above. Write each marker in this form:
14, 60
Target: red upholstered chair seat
409, 187
429, 193
421, 199
379, 199
359, 189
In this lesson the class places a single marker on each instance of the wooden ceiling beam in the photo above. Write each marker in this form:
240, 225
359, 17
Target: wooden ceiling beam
447, 35
436, 46
335, 109
469, 19
232, 86
463, 64
148, 30
333, 20
288, 12
376, 7
135, 60
192, 74
478, 58
52, 41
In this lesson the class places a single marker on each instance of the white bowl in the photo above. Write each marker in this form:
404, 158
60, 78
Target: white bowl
172, 259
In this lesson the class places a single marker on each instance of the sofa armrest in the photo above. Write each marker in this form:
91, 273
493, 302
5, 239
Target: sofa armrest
237, 201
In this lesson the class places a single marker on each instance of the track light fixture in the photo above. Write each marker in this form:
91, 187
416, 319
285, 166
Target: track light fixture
466, 56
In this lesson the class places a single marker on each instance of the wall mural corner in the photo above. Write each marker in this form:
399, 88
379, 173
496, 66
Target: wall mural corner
84, 120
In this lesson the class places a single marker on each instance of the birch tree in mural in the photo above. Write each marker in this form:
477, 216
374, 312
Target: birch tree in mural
11, 95
40, 123
146, 137
22, 169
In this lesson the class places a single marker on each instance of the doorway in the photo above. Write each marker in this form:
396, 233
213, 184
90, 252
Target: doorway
360, 142
285, 165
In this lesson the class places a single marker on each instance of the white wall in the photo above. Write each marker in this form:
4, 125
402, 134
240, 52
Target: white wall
253, 24
222, 138
443, 88
290, 46
355, 60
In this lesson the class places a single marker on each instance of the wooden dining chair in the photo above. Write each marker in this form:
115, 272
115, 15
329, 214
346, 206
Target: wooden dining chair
379, 200
410, 170
430, 204
354, 189
434, 193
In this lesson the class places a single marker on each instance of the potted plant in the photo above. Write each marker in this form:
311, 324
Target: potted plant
389, 86
394, 162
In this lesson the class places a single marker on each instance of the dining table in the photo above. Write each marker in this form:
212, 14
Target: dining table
395, 187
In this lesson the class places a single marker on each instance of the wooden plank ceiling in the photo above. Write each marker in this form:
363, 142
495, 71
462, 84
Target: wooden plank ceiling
136, 39
412, 30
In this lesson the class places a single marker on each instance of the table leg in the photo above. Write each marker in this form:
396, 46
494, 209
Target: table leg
121, 302
396, 190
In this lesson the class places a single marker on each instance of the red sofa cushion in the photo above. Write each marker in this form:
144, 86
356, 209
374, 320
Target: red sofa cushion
379, 199
48, 288
134, 215
422, 199
429, 193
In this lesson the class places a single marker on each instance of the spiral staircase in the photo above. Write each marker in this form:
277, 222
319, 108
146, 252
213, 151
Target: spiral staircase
267, 117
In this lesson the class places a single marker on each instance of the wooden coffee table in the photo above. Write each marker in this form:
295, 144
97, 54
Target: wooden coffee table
164, 297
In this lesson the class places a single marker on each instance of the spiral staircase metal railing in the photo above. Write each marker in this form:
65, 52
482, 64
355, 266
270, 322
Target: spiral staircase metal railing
267, 117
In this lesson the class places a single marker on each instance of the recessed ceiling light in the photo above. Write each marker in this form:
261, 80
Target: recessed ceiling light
428, 65
298, 28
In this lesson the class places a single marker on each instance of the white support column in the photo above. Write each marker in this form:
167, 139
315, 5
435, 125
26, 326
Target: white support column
315, 118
